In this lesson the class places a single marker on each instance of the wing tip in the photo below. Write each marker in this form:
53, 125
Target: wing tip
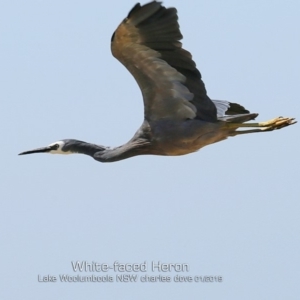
140, 12
133, 10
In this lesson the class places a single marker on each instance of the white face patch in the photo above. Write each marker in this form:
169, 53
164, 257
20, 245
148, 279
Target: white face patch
58, 150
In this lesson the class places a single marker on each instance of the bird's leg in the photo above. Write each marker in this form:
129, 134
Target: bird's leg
275, 123
270, 125
238, 132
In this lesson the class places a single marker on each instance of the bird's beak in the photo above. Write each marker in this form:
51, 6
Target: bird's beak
38, 150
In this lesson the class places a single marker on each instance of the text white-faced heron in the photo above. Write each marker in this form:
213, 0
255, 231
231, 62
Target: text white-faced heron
179, 117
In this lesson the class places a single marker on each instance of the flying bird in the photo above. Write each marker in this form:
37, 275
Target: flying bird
179, 117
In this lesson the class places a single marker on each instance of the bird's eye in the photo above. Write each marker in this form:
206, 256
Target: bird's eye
56, 146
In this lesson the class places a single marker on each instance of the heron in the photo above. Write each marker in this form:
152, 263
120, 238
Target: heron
179, 117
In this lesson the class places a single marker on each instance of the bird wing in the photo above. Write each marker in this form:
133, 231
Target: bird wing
147, 44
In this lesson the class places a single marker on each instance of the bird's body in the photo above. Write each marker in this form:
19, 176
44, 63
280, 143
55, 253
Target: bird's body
165, 137
179, 117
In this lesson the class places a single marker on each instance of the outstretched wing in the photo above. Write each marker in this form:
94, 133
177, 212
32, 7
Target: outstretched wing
147, 44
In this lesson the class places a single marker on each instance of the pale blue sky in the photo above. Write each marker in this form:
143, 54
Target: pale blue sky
231, 209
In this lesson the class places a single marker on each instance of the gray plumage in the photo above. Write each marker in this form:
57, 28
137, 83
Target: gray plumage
179, 117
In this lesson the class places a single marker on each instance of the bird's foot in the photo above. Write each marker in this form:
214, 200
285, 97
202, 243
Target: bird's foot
270, 125
276, 123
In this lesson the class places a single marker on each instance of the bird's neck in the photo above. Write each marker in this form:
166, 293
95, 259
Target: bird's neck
130, 149
83, 148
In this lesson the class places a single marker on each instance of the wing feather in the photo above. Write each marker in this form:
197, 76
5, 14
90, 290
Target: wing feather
147, 44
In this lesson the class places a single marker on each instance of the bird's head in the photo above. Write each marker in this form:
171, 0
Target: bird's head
68, 146
59, 147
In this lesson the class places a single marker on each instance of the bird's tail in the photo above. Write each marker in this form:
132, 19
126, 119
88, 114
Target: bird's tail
241, 118
228, 108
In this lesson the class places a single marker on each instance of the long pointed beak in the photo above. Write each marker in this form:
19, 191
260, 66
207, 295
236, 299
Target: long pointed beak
38, 150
